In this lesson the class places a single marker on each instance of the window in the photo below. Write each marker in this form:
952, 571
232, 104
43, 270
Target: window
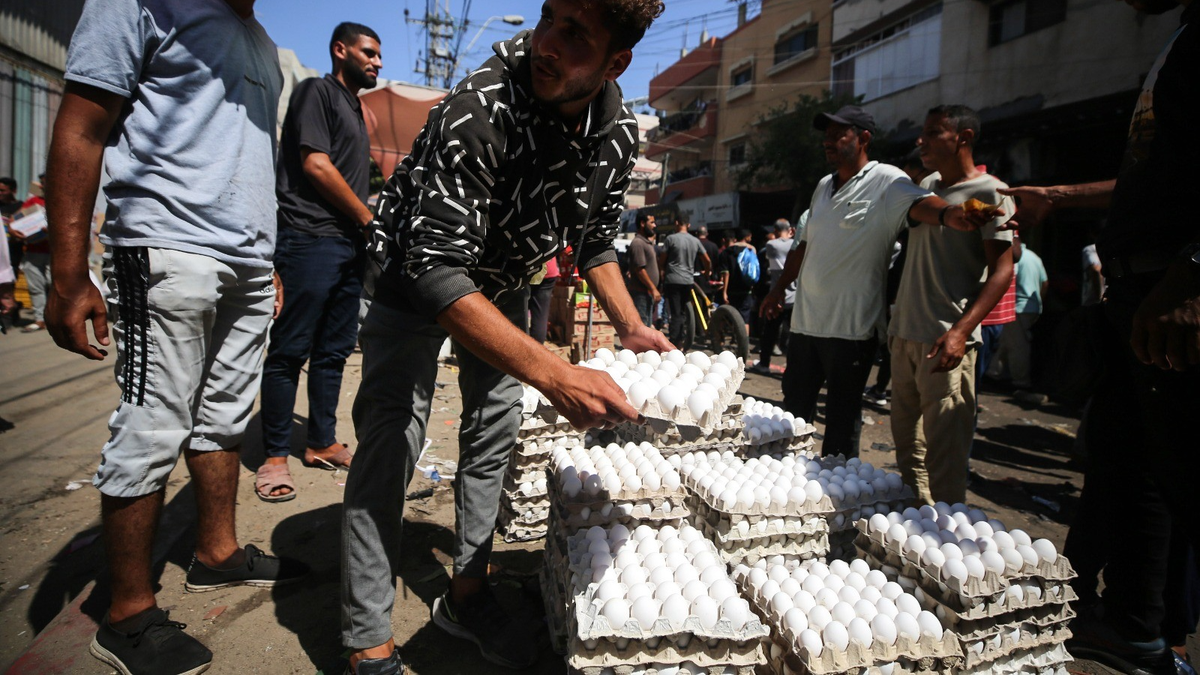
795, 44
898, 57
737, 154
1010, 20
742, 76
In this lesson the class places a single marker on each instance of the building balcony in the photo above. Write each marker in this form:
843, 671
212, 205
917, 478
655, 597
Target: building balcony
703, 125
697, 70
687, 188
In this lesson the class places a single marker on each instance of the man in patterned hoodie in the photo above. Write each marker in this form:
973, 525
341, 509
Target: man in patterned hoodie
529, 154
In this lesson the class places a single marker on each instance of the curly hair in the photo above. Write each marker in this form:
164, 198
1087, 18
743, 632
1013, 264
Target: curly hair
627, 20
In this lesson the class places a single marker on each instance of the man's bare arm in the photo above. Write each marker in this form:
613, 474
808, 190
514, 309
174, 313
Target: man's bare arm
952, 346
331, 185
1037, 203
607, 284
588, 398
933, 210
706, 261
773, 303
643, 277
85, 118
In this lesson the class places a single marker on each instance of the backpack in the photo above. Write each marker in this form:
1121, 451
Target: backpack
747, 262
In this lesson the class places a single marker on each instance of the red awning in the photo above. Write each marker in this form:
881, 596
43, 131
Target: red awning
395, 114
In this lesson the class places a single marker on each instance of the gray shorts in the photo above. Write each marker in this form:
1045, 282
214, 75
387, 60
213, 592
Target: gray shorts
190, 332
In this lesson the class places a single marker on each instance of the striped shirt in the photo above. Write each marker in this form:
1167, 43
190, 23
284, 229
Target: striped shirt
1005, 310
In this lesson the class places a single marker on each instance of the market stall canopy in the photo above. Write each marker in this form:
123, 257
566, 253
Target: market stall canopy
395, 113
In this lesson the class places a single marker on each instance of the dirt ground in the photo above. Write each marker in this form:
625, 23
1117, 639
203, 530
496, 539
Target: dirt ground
56, 405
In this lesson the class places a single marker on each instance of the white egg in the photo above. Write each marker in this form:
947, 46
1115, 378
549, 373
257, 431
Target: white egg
646, 611
651, 358
605, 355
992, 561
843, 613
1003, 540
627, 357
1029, 555
1045, 550
810, 641
728, 359
906, 624
819, 617
639, 393
637, 592
975, 566
908, 604
835, 636
954, 571
865, 609
705, 609
883, 628
699, 404
929, 625
676, 610
1013, 560
609, 589
860, 632
932, 557
951, 551
1020, 537
735, 611
616, 612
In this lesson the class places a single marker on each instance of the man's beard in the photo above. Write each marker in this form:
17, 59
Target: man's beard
357, 76
577, 89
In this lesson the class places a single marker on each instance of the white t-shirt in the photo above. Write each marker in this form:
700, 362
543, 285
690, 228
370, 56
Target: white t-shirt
849, 236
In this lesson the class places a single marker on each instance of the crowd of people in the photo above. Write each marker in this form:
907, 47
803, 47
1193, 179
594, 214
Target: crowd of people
219, 236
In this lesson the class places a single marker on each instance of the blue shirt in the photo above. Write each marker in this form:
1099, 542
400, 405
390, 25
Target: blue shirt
192, 157
1031, 274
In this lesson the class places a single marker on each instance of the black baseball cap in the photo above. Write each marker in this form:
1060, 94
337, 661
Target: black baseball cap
850, 115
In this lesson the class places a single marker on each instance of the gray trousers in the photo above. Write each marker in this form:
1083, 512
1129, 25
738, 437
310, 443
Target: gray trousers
391, 413
36, 267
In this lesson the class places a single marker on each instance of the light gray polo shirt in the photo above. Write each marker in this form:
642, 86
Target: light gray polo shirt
192, 157
849, 236
944, 269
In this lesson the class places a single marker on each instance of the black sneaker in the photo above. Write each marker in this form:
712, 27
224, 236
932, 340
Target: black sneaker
158, 646
258, 569
873, 395
392, 665
483, 621
1092, 638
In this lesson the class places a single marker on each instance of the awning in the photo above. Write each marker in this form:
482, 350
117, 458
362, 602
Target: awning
395, 113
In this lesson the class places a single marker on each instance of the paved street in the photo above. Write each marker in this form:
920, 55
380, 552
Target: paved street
58, 404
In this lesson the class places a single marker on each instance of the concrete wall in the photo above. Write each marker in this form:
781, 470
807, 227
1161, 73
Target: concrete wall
851, 16
773, 85
1102, 48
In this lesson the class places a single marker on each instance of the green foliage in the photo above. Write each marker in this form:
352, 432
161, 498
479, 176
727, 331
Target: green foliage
785, 149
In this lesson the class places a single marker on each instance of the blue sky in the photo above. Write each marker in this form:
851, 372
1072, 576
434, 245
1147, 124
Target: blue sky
305, 26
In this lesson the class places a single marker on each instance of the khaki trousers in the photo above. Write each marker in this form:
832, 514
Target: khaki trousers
933, 421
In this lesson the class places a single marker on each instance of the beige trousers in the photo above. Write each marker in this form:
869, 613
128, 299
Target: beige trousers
933, 421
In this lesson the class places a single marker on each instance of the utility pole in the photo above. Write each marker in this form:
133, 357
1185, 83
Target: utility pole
440, 28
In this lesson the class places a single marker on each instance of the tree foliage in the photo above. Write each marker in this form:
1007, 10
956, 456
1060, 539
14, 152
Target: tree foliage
785, 149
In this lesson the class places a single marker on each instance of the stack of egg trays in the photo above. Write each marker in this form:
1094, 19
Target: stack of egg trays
801, 442
525, 501
595, 646
794, 537
926, 655
735, 549
996, 624
726, 434
663, 506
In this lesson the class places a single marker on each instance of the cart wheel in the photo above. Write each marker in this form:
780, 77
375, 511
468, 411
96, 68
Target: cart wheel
728, 331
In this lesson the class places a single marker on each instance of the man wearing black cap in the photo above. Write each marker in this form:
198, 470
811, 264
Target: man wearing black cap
1145, 405
838, 317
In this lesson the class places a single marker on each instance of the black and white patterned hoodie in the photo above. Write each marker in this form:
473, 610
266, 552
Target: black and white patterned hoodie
496, 185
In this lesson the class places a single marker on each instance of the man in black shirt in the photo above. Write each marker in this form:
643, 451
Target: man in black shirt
322, 177
736, 289
1141, 437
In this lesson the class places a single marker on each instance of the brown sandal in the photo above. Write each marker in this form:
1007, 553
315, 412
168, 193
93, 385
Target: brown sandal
340, 460
271, 477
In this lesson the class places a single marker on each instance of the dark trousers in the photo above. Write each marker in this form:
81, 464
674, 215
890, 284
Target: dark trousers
1140, 481
644, 303
744, 304
322, 282
988, 346
678, 296
771, 335
539, 308
842, 366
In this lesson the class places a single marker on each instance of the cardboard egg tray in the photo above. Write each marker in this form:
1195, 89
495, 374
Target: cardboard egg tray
525, 513
662, 421
575, 515
783, 660
892, 501
589, 623
750, 551
926, 653
801, 436
823, 506
1029, 642
512, 486
971, 608
723, 526
1031, 619
1045, 659
539, 429
717, 654
630, 669
876, 544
